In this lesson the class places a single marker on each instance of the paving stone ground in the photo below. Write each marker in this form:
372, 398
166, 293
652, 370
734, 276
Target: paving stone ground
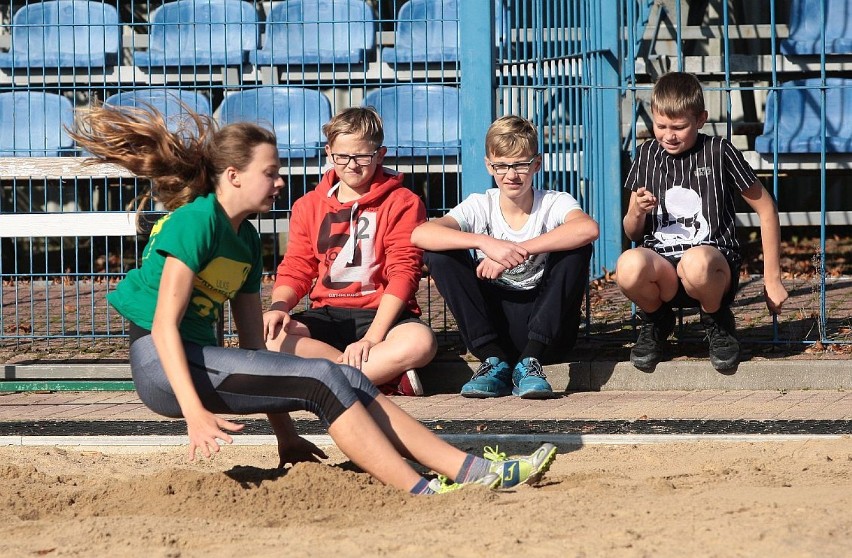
766, 343
605, 405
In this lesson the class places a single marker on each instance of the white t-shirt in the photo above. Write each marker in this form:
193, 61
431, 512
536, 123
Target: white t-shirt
480, 214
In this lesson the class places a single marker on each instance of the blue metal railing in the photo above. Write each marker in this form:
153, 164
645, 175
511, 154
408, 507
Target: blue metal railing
729, 73
580, 70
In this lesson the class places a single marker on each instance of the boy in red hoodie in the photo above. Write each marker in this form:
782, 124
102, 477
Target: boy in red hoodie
350, 250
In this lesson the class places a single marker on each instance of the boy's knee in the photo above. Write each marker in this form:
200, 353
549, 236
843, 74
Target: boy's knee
438, 258
424, 338
430, 346
416, 340
586, 251
579, 257
630, 266
698, 266
433, 261
702, 255
448, 265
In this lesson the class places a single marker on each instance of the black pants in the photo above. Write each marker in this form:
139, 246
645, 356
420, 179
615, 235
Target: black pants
487, 313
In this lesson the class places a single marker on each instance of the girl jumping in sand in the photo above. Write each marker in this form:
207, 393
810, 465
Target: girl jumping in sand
206, 252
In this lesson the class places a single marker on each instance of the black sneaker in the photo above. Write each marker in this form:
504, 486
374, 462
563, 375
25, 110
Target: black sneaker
721, 333
648, 350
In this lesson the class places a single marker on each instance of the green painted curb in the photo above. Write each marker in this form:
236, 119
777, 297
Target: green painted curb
65, 385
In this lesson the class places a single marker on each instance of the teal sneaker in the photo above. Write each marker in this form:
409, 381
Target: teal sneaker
442, 484
492, 379
522, 469
529, 380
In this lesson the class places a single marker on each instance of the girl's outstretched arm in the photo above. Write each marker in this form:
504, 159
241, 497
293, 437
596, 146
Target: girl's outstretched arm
204, 427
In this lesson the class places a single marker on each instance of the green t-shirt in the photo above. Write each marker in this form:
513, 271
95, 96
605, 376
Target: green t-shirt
225, 263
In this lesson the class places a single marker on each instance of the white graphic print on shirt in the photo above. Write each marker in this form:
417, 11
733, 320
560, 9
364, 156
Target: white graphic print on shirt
683, 223
349, 248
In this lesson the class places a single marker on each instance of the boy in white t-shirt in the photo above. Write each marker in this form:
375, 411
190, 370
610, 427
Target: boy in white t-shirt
516, 297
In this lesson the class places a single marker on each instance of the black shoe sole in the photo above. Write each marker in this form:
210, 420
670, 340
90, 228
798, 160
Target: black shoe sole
722, 365
645, 363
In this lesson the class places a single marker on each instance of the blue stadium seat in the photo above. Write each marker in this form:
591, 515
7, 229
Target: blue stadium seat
200, 33
806, 28
171, 103
300, 32
34, 124
295, 114
798, 110
427, 32
419, 120
64, 34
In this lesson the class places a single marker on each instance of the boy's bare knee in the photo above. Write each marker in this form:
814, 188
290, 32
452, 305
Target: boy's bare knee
629, 267
415, 340
634, 268
697, 267
425, 345
694, 271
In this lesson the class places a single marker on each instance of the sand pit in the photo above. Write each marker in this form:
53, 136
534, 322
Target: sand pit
686, 499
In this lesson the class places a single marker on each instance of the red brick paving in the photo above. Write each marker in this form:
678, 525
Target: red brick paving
609, 405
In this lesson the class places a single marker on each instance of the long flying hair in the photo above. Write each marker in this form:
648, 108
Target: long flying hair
181, 164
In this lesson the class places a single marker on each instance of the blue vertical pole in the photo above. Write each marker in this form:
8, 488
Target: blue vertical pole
609, 183
476, 92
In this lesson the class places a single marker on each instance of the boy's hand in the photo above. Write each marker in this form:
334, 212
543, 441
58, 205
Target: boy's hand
508, 254
645, 200
489, 269
775, 295
357, 353
274, 322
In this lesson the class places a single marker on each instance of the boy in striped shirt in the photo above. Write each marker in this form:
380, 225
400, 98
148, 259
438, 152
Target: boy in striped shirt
682, 215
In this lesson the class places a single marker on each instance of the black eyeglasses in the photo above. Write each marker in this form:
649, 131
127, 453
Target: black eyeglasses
361, 159
521, 167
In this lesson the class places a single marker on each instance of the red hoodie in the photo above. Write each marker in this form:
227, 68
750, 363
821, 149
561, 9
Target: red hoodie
357, 251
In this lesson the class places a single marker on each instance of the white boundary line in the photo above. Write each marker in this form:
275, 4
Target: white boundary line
325, 440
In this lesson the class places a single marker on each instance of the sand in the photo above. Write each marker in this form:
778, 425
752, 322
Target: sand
704, 498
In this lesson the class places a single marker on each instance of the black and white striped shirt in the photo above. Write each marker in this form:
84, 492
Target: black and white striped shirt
696, 192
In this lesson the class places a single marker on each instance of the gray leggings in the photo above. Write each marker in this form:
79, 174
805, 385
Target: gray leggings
239, 381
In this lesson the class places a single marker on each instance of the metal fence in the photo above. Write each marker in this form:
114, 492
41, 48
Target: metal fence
774, 76
581, 70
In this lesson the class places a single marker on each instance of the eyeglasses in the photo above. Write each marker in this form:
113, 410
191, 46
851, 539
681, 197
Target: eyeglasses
521, 167
361, 159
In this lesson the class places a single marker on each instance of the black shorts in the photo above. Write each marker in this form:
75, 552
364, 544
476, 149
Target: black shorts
340, 327
683, 300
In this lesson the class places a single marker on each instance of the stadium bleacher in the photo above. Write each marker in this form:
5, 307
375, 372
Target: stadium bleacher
807, 32
295, 114
419, 120
317, 32
63, 34
797, 108
34, 124
427, 32
198, 33
171, 103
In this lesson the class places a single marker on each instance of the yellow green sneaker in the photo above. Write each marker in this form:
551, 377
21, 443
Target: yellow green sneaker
517, 470
442, 484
